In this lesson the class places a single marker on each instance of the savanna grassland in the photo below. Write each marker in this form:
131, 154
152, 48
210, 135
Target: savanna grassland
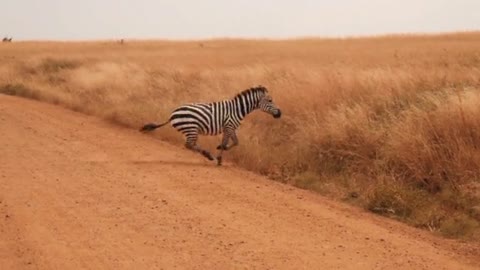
391, 123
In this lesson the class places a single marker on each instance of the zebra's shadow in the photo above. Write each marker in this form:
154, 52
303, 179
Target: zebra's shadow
204, 164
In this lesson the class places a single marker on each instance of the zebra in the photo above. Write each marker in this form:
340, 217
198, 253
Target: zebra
216, 118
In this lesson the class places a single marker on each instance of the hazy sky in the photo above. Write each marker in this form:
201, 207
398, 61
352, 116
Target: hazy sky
180, 19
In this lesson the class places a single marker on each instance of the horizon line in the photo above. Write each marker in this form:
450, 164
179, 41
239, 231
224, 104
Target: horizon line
243, 38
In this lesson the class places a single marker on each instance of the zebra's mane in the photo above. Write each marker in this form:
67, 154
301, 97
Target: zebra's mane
252, 90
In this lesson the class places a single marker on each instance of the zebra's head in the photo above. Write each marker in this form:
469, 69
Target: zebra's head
256, 98
266, 105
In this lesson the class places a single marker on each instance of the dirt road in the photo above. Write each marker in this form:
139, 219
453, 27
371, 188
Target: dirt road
79, 193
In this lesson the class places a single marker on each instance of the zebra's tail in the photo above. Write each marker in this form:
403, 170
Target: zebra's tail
152, 126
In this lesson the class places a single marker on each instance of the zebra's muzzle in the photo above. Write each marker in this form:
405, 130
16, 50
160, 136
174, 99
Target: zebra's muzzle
277, 114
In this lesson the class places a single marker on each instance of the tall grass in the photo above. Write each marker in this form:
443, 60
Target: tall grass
391, 124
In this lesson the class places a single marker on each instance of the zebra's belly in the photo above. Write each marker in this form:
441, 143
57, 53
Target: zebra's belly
209, 132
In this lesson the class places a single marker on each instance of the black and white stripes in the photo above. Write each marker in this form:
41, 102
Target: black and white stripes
218, 117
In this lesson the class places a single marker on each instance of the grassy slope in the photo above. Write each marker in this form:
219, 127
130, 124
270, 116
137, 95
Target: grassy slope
391, 123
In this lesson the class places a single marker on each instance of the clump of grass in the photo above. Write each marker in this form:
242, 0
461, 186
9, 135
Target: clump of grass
18, 89
437, 148
447, 213
395, 201
53, 65
460, 226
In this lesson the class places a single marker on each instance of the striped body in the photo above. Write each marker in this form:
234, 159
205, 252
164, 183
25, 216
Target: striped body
205, 118
222, 117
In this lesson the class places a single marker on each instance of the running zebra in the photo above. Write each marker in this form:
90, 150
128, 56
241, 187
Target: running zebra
218, 117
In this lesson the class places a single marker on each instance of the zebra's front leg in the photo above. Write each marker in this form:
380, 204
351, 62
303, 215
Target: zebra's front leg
192, 145
222, 146
234, 141
233, 137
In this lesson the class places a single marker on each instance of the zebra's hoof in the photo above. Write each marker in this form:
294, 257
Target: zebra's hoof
222, 147
219, 161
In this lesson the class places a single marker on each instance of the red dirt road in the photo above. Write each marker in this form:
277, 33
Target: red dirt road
79, 193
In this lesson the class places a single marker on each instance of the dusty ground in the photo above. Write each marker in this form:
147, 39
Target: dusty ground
80, 193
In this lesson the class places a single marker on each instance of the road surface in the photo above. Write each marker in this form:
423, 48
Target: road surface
77, 192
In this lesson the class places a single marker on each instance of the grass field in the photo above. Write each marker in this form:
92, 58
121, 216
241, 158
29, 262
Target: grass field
391, 123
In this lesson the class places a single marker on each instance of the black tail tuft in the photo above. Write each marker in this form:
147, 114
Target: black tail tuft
149, 127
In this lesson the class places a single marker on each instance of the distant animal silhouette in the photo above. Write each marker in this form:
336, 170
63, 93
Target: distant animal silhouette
5, 39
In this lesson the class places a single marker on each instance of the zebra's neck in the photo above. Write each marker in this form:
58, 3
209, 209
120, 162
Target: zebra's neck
244, 104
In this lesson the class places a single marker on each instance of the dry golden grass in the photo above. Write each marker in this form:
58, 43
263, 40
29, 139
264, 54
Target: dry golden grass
388, 123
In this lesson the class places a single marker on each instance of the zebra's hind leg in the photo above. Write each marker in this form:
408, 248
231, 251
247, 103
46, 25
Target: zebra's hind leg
192, 145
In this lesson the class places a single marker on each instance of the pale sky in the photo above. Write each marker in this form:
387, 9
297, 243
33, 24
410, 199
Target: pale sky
197, 19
